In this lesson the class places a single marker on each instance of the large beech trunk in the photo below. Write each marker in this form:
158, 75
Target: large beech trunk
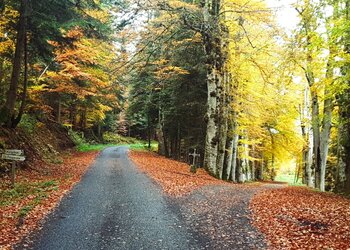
212, 137
215, 46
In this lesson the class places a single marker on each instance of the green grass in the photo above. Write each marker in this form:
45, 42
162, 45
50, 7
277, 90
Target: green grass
289, 178
93, 147
142, 146
130, 142
40, 191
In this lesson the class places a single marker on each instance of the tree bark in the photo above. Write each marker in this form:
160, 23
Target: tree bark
216, 53
25, 85
326, 122
316, 160
234, 157
223, 125
7, 112
308, 138
343, 172
59, 108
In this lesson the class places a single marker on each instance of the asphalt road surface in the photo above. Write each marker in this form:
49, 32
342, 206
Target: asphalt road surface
115, 206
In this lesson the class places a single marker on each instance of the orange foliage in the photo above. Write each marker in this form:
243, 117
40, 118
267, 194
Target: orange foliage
174, 177
13, 228
298, 218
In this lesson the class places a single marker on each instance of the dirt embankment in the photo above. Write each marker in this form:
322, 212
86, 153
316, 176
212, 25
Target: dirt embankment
51, 169
40, 142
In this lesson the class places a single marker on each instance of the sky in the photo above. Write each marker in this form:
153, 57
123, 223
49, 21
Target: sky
286, 15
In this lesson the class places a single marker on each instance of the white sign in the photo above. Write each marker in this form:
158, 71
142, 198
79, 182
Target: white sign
13, 152
13, 157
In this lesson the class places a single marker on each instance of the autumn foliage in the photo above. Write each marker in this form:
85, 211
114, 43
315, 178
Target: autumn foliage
174, 177
44, 190
298, 218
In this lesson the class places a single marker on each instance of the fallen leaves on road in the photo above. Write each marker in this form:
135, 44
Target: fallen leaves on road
216, 211
38, 191
220, 217
298, 218
174, 177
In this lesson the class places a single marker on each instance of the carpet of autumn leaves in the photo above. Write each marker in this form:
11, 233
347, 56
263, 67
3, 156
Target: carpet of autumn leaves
53, 180
174, 177
289, 217
299, 218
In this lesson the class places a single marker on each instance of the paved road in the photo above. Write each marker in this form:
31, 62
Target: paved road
114, 207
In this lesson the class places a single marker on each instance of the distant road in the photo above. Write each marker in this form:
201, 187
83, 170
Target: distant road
115, 206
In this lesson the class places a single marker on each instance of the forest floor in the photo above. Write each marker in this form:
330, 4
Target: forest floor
217, 214
251, 216
37, 192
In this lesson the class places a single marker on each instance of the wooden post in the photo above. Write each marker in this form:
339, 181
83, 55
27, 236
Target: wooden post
13, 174
193, 166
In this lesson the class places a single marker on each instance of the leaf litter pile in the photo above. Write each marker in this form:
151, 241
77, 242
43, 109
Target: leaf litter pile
37, 192
298, 218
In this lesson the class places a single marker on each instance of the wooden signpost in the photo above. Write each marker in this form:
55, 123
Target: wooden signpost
13, 155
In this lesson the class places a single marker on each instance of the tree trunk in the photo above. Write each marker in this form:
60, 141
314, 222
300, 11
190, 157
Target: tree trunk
308, 138
59, 108
215, 46
341, 157
309, 171
344, 110
316, 139
25, 85
234, 156
223, 125
326, 122
163, 145
315, 125
7, 112
211, 141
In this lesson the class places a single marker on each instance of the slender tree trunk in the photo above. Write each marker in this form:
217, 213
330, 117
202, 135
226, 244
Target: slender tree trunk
2, 72
7, 112
341, 156
234, 156
25, 85
59, 108
99, 131
307, 135
245, 166
229, 150
253, 165
326, 122
228, 158
309, 170
223, 125
163, 145
316, 138
149, 131
315, 123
